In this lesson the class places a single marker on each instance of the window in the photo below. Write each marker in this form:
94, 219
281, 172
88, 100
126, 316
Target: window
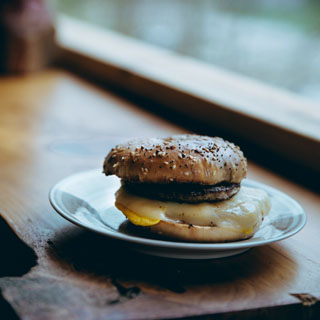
275, 42
186, 78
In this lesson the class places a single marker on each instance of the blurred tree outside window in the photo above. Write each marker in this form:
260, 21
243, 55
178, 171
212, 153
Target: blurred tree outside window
277, 42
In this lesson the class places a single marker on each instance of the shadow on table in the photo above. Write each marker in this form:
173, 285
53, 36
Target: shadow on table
16, 260
98, 255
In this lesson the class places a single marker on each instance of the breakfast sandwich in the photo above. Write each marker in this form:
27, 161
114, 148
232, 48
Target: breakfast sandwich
187, 187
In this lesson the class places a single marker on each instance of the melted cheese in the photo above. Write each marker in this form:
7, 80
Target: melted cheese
242, 212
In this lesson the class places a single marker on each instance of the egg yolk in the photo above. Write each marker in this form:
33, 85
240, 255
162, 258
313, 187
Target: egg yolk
247, 231
135, 218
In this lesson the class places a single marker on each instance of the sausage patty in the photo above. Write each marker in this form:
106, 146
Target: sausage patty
183, 192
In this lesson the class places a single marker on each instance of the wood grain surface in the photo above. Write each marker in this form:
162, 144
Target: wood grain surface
53, 124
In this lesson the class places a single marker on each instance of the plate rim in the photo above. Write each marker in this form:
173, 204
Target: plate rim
176, 244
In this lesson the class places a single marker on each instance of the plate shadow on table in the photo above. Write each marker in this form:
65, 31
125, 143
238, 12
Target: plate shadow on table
97, 255
16, 260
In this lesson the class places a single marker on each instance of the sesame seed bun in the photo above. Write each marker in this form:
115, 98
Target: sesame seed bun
192, 175
180, 159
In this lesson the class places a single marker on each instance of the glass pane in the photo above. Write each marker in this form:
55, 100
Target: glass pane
277, 42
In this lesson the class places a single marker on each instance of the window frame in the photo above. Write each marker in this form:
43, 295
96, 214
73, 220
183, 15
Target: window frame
270, 118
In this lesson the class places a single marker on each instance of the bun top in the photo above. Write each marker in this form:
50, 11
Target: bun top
177, 159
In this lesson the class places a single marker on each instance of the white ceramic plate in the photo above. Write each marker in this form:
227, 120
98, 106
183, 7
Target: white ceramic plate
87, 200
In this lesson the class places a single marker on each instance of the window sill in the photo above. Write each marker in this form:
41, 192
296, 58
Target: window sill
280, 121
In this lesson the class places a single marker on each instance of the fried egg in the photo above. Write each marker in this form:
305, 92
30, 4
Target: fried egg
244, 212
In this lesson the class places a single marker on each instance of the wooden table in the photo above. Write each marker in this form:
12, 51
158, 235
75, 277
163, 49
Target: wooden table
53, 124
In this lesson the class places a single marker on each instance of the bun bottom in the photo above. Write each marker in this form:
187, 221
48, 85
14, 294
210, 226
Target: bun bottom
193, 233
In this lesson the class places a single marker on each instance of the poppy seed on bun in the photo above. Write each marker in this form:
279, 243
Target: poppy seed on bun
181, 158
